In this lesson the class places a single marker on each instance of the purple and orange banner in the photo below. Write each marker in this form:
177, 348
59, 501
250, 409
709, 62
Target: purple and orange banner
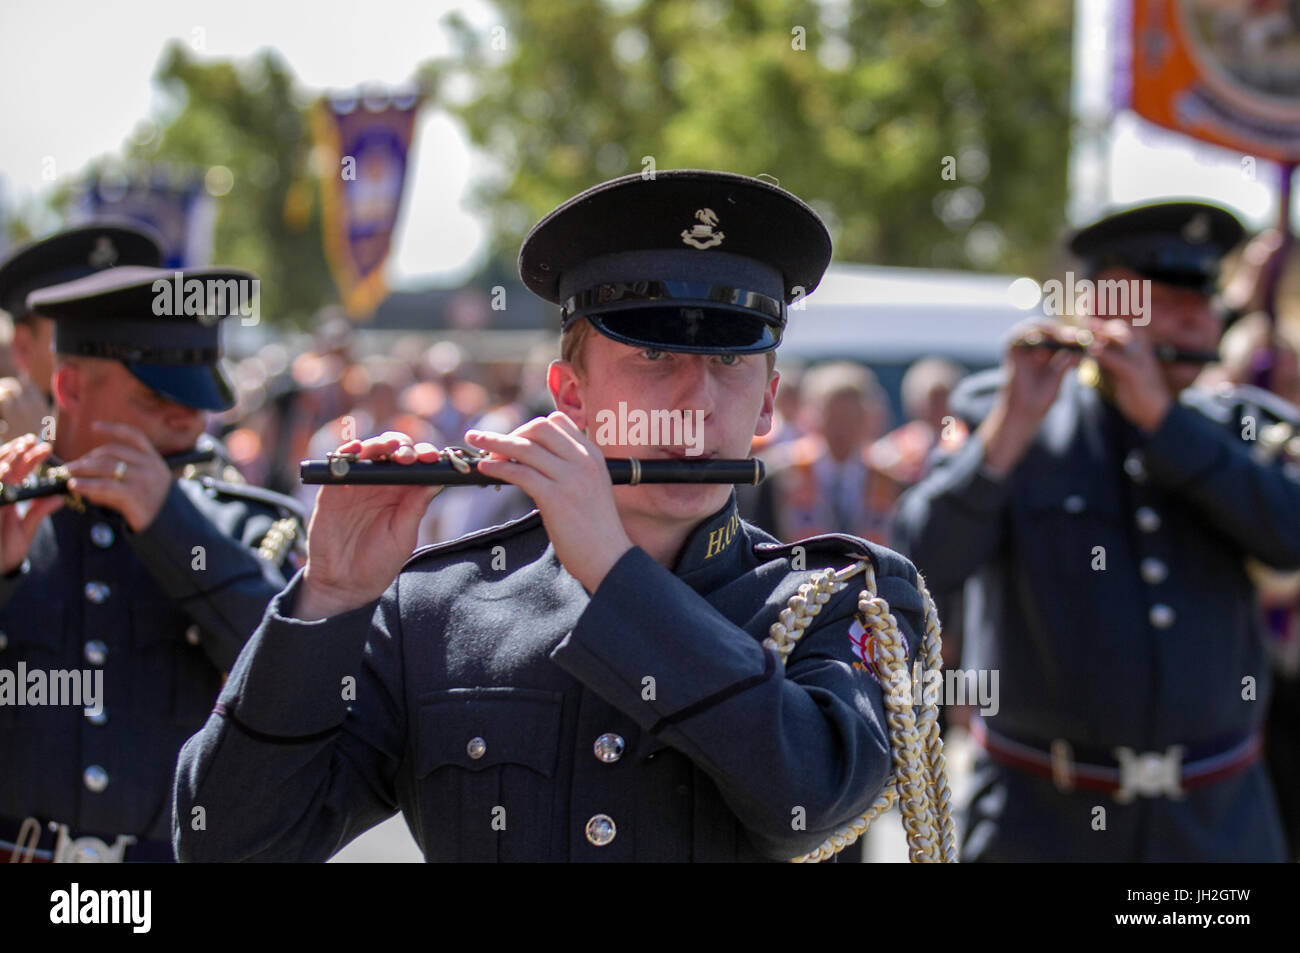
172, 202
1222, 71
366, 144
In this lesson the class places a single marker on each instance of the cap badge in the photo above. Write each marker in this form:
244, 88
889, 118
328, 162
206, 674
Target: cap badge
1198, 228
703, 235
104, 254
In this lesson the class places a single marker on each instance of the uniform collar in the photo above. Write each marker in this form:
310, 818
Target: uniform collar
714, 551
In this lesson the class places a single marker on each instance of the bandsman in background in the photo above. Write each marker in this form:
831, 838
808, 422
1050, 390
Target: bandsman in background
137, 590
823, 482
1103, 523
26, 400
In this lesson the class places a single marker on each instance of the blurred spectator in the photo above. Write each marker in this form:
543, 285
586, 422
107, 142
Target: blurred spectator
821, 481
1251, 352
521, 395
900, 455
372, 388
1250, 347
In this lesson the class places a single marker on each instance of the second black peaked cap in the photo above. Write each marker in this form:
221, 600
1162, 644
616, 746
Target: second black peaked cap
163, 325
691, 260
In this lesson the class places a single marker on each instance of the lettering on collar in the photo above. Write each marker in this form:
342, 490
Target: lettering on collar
722, 537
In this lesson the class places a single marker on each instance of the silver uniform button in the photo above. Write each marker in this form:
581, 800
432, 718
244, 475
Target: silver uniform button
192, 634
101, 534
97, 717
95, 778
1148, 520
476, 748
96, 652
1153, 571
1162, 616
1135, 468
601, 830
97, 592
609, 747
1074, 503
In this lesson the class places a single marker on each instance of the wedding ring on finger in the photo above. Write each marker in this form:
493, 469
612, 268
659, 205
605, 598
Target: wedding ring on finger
119, 471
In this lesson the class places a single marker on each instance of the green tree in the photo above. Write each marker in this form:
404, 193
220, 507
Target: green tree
247, 118
859, 107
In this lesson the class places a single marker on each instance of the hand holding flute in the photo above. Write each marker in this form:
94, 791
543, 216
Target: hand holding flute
126, 474
360, 536
1032, 378
1037, 358
1127, 356
19, 458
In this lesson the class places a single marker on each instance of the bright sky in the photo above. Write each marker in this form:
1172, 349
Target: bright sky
86, 102
75, 80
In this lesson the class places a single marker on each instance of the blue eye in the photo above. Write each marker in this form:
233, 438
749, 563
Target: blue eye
730, 360
652, 354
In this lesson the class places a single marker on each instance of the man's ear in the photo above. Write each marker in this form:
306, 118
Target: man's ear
67, 383
563, 383
764, 423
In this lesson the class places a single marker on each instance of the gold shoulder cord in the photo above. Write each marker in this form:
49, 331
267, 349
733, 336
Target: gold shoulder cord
918, 782
278, 539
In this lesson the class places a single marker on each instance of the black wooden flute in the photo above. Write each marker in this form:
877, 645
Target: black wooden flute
55, 480
1165, 353
461, 470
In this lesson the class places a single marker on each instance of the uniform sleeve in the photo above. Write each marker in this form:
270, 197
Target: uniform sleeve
301, 753
795, 753
224, 587
952, 522
1256, 505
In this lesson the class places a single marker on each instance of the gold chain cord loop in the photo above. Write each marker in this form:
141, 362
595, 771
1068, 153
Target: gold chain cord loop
918, 782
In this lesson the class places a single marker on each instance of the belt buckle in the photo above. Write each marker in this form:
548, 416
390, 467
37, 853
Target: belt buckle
88, 850
1150, 773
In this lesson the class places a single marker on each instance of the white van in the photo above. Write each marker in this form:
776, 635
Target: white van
887, 318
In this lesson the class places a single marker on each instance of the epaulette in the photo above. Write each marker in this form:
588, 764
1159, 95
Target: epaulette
1239, 395
515, 527
973, 397
837, 546
286, 534
256, 494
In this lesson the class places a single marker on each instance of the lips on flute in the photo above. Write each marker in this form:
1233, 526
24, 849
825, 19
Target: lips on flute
460, 470
1165, 353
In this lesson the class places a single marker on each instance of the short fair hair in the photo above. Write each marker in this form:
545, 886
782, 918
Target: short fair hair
572, 348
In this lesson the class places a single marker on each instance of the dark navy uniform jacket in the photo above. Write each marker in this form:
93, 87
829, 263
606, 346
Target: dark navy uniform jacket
1154, 650
162, 620
487, 701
